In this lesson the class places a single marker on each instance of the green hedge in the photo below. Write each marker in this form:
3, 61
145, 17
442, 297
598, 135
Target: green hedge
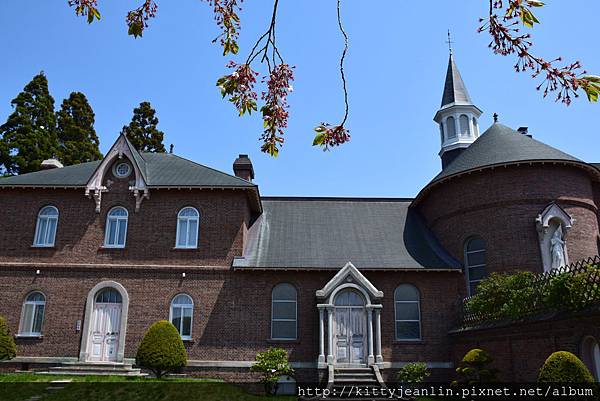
564, 367
162, 349
8, 349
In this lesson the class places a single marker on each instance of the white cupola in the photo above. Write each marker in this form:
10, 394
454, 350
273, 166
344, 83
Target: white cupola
457, 116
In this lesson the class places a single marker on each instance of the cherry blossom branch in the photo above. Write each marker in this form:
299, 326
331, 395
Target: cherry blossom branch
507, 39
137, 19
227, 18
329, 135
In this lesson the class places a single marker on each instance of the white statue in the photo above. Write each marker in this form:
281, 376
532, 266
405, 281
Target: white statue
557, 248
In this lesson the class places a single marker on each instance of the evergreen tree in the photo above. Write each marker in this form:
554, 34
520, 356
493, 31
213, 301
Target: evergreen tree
142, 131
29, 134
75, 130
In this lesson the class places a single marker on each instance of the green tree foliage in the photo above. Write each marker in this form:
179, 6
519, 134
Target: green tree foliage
272, 364
504, 295
75, 131
161, 350
29, 134
142, 131
564, 367
474, 368
8, 349
413, 372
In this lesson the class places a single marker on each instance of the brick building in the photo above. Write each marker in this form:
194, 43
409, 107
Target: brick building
92, 254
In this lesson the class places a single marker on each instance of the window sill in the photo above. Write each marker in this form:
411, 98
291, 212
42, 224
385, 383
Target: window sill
29, 336
282, 341
176, 249
42, 247
111, 248
419, 342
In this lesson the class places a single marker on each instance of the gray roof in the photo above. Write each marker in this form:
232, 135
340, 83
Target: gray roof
159, 170
455, 91
326, 233
499, 145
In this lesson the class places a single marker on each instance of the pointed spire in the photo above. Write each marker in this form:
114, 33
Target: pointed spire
455, 90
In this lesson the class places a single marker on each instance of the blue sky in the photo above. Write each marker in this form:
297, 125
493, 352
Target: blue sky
395, 68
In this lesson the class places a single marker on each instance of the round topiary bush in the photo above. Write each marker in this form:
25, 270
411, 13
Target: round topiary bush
162, 350
474, 368
8, 349
564, 367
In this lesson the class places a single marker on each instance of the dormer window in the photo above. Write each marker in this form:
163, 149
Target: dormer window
122, 170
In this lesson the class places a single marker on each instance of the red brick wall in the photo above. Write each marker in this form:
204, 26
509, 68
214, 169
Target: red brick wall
501, 206
519, 350
151, 232
231, 309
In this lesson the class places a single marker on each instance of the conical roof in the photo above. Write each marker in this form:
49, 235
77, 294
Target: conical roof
455, 91
500, 145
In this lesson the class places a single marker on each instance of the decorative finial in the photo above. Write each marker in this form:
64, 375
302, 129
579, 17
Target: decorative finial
449, 41
495, 117
171, 148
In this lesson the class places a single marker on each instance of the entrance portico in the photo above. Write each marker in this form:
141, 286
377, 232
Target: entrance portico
351, 306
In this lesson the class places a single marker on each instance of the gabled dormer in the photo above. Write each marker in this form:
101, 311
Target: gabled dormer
125, 161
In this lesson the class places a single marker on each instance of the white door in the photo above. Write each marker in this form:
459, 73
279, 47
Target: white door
104, 336
350, 334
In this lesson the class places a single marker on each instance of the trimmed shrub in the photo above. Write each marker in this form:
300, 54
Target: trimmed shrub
413, 372
161, 350
8, 349
564, 367
474, 368
272, 364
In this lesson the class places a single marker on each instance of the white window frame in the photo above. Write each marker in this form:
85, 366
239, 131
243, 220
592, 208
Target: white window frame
418, 302
116, 170
187, 219
469, 267
116, 220
295, 319
182, 307
26, 328
48, 243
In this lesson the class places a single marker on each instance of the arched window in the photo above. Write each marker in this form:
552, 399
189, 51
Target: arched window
284, 312
408, 312
464, 125
451, 127
475, 127
32, 316
475, 263
187, 228
109, 296
182, 311
45, 230
116, 228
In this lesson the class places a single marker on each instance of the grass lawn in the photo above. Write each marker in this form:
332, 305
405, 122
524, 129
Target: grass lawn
20, 387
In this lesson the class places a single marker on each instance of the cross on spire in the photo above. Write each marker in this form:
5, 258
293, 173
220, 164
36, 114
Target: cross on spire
449, 41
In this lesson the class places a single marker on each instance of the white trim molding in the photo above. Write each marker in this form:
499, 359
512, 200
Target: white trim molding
94, 187
87, 324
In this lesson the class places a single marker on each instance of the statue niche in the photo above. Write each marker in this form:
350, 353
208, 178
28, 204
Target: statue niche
553, 225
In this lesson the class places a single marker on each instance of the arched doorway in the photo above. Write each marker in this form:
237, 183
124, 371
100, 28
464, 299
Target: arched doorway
350, 328
103, 337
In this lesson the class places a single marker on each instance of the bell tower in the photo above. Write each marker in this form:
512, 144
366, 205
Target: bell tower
457, 116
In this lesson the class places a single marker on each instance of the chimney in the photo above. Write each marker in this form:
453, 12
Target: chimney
242, 167
49, 164
524, 131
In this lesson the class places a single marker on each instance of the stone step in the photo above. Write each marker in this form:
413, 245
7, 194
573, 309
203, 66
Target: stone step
94, 368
